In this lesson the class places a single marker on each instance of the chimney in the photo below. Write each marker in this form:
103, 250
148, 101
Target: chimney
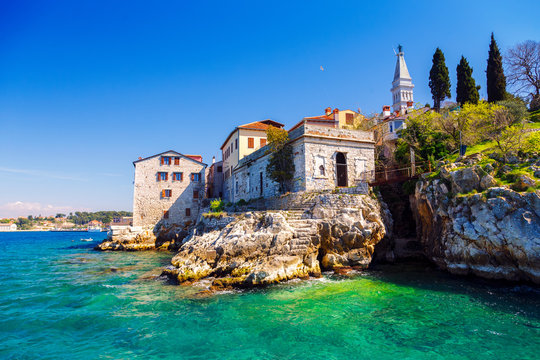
386, 110
213, 159
140, 158
335, 111
328, 111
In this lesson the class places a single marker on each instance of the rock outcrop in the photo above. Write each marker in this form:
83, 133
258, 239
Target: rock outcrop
494, 233
260, 248
130, 238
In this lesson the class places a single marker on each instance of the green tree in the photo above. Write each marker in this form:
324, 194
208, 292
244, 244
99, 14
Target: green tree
439, 81
422, 135
466, 89
496, 81
280, 166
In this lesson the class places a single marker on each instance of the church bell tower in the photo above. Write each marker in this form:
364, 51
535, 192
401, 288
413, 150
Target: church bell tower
402, 86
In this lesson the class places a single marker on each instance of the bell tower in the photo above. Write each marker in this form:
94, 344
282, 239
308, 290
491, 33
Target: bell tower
402, 86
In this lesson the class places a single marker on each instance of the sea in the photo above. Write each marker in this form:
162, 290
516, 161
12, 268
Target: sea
60, 299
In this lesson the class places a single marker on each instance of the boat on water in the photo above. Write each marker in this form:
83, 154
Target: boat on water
89, 239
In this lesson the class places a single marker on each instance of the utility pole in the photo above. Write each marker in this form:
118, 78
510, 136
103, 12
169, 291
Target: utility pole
413, 168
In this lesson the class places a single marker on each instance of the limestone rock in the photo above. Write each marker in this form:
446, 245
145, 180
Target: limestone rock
261, 248
464, 180
524, 182
493, 235
487, 182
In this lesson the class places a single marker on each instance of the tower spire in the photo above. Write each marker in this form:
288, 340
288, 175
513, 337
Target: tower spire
402, 86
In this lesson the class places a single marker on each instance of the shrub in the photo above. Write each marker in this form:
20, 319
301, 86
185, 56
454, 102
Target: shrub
241, 202
217, 205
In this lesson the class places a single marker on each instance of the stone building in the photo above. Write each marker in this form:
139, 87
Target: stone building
214, 180
168, 189
325, 157
242, 141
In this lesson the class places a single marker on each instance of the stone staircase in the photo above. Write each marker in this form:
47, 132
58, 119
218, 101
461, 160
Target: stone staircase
303, 229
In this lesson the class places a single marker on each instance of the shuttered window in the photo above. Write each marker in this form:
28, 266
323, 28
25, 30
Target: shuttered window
162, 176
177, 176
166, 214
195, 194
195, 177
263, 142
188, 212
349, 119
165, 160
177, 160
251, 143
166, 193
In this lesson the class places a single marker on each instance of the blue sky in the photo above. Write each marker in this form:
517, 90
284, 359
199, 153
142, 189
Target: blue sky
86, 87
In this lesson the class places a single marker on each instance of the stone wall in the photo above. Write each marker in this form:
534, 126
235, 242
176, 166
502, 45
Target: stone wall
148, 203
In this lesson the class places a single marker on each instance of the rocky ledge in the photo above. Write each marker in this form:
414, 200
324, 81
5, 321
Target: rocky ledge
468, 224
259, 248
130, 238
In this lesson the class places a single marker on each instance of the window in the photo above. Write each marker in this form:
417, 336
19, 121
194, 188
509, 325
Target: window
236, 143
162, 176
231, 148
251, 143
165, 160
263, 142
195, 194
349, 119
177, 160
177, 176
166, 214
166, 193
195, 177
219, 169
188, 212
321, 170
236, 187
391, 127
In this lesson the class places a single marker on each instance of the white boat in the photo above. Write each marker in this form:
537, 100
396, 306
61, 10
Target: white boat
94, 229
89, 239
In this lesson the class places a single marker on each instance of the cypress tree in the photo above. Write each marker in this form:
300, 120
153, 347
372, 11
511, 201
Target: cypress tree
496, 81
439, 81
466, 89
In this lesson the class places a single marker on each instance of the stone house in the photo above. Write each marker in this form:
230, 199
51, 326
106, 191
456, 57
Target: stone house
168, 189
214, 180
325, 157
242, 141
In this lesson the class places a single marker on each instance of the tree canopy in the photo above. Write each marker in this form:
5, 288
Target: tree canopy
439, 81
496, 81
466, 89
523, 68
280, 166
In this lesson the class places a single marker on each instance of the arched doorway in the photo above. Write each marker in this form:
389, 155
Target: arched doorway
341, 169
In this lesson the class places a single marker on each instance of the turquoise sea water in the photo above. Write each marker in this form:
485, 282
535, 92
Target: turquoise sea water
59, 299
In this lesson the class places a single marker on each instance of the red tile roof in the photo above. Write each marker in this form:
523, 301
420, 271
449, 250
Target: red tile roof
262, 125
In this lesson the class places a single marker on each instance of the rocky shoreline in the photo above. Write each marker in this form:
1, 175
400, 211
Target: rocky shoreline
261, 248
466, 223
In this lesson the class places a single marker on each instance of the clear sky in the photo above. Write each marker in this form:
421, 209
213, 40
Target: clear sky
86, 87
